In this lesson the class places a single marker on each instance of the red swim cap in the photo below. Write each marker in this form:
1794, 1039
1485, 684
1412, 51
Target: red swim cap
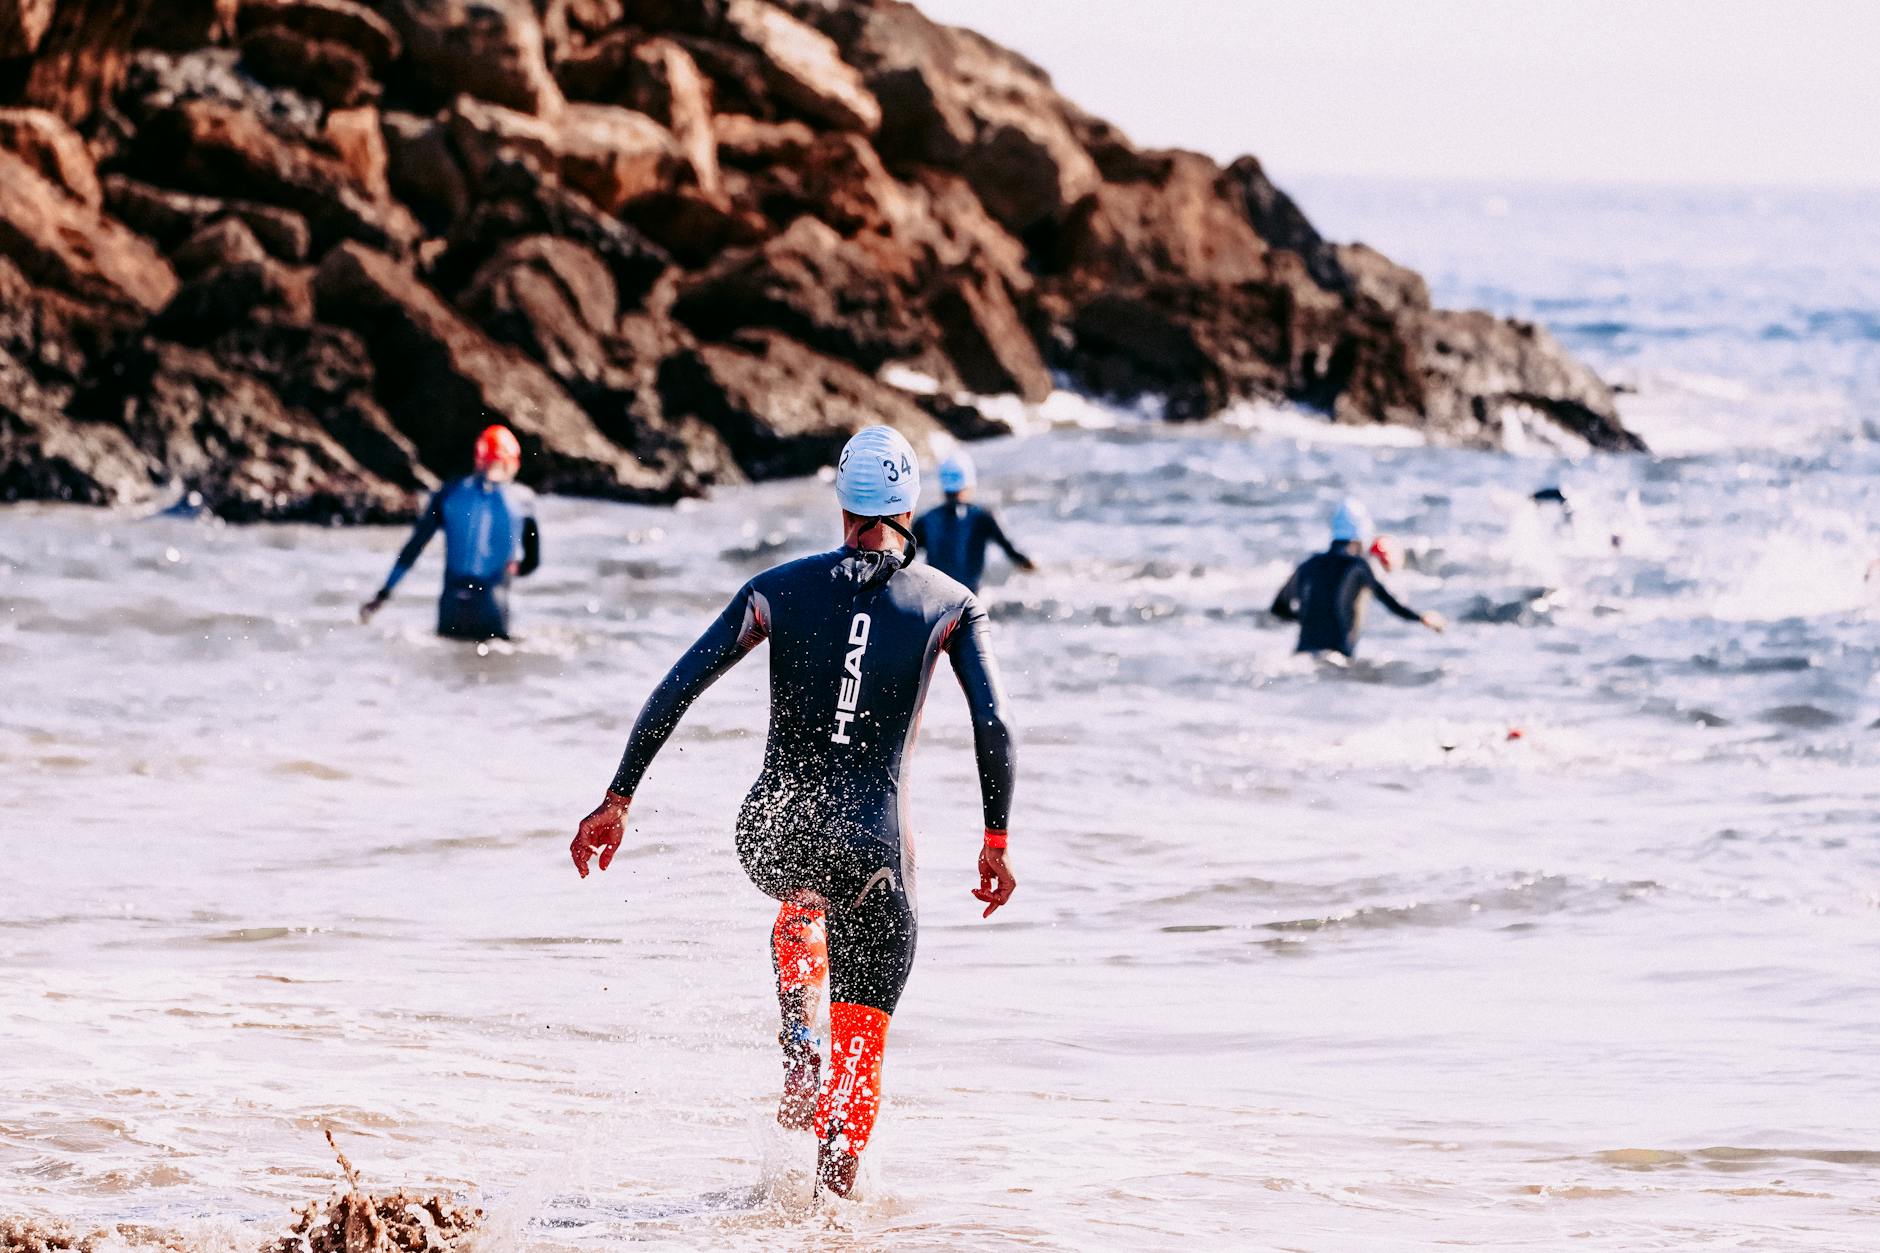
1385, 549
497, 445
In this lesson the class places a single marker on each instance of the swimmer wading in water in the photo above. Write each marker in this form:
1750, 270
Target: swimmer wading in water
490, 534
1326, 595
855, 635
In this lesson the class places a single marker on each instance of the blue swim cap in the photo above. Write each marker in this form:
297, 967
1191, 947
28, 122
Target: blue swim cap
878, 475
1351, 522
957, 473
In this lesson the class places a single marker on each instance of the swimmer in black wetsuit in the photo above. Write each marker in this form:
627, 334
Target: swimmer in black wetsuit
1326, 594
855, 635
490, 533
954, 536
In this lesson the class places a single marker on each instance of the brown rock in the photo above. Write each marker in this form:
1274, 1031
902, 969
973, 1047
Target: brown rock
554, 299
625, 404
491, 49
753, 144
60, 243
1179, 222
423, 170
54, 149
229, 437
812, 285
206, 146
804, 68
783, 408
696, 227
844, 183
354, 135
1278, 221
330, 21
442, 380
664, 82
179, 25
45, 455
1376, 277
516, 200
282, 232
1489, 379
228, 241
325, 372
740, 76
82, 57
47, 342
23, 24
985, 338
954, 231
486, 133
953, 99
238, 294
615, 156
161, 215
336, 74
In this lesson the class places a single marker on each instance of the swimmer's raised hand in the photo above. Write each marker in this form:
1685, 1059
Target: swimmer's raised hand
601, 832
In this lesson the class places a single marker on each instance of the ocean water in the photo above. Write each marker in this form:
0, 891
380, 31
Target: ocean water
1557, 931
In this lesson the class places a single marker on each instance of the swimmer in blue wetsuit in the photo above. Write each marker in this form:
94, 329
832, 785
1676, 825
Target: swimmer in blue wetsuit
855, 635
1326, 595
490, 533
954, 536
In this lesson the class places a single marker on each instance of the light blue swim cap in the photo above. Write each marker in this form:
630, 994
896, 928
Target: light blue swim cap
878, 475
957, 473
1351, 522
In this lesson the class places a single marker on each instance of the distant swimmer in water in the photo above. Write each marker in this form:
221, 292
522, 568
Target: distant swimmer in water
1326, 595
856, 634
954, 536
490, 533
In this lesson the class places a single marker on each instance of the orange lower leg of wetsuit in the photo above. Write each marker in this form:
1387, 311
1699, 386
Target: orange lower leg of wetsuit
799, 949
845, 1113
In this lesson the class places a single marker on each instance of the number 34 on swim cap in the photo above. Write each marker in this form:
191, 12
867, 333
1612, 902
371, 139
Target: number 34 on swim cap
878, 475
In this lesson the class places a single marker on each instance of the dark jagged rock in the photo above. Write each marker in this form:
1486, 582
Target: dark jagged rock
54, 150
63, 244
812, 285
336, 74
442, 379
674, 242
213, 149
783, 408
230, 438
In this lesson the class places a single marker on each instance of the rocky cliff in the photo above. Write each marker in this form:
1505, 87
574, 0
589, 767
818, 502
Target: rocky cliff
292, 254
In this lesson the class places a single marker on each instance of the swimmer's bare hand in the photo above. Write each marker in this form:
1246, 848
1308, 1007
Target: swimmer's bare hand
371, 607
996, 881
601, 832
1435, 622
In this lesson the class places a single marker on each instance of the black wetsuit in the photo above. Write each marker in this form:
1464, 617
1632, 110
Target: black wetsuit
854, 641
954, 536
1326, 596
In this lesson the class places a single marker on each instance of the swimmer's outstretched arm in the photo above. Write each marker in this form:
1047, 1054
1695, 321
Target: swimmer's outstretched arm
999, 537
743, 625
1434, 621
973, 664
427, 526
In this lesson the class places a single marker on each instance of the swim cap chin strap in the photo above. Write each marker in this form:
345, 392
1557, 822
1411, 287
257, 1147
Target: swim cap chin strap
912, 549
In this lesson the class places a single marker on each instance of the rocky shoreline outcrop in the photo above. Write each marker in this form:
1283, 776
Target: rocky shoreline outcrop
291, 254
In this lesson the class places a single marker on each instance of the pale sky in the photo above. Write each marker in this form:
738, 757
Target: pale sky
1706, 91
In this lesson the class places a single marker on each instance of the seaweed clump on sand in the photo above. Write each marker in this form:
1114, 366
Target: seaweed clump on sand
356, 1221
